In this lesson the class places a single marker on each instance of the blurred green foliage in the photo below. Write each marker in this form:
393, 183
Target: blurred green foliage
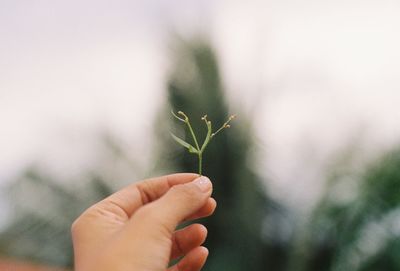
356, 225
43, 213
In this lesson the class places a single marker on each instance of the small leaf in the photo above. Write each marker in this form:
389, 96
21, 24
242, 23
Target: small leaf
184, 144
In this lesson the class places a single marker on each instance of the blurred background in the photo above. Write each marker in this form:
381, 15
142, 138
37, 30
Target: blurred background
307, 178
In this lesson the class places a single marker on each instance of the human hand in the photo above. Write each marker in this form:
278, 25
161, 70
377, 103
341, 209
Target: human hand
134, 229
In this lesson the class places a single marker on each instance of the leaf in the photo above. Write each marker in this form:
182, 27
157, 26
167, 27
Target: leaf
184, 144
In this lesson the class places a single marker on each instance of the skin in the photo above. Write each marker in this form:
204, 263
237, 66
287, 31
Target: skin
134, 229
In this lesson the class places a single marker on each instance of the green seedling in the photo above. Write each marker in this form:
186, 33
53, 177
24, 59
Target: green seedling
196, 149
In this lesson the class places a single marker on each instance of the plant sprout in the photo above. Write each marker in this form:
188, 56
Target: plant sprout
196, 149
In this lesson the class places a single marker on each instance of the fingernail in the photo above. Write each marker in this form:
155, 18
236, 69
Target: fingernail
203, 183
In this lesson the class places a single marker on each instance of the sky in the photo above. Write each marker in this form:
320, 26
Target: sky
317, 75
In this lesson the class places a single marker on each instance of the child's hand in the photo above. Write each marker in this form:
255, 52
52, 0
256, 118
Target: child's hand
134, 229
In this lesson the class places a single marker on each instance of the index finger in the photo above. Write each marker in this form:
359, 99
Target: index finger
130, 198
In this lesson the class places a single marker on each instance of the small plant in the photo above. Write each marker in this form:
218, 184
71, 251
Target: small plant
210, 134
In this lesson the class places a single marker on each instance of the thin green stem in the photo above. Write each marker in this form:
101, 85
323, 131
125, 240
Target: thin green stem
176, 116
208, 136
224, 126
200, 163
187, 121
193, 135
216, 132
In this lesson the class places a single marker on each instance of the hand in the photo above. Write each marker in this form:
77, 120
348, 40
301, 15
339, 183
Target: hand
134, 229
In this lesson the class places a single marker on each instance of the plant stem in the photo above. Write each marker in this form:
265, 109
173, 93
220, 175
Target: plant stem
200, 162
193, 135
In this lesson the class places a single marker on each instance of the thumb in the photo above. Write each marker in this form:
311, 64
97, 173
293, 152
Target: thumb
178, 203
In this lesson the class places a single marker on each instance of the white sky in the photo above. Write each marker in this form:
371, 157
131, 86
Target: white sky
315, 72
